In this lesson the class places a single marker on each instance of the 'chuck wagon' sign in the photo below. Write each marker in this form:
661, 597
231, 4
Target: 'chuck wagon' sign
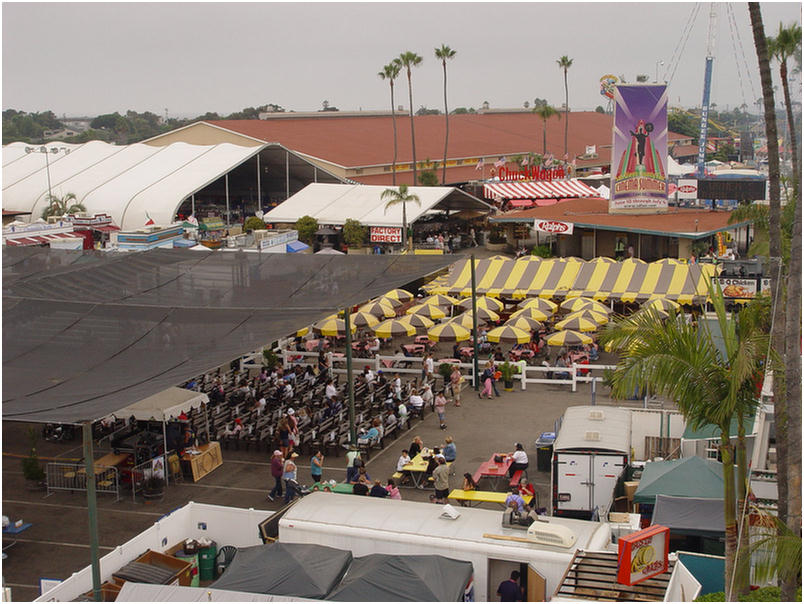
386, 235
553, 226
642, 555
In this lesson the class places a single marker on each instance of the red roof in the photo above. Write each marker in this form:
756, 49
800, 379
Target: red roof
595, 212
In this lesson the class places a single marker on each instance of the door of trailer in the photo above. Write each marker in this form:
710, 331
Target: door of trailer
606, 470
572, 482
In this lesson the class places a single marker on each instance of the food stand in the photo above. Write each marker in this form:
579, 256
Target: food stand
211, 232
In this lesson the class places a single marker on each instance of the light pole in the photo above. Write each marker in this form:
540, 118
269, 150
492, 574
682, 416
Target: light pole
658, 63
46, 151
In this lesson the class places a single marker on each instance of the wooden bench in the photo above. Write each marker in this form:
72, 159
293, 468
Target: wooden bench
478, 497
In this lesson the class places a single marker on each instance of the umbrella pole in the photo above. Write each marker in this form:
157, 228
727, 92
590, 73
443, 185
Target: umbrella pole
350, 384
476, 379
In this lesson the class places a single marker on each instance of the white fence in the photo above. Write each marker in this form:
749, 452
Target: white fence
574, 374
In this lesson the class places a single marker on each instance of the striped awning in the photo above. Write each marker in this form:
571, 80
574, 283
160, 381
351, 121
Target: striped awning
39, 239
538, 189
628, 281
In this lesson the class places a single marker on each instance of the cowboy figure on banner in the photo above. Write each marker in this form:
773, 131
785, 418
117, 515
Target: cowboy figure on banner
640, 157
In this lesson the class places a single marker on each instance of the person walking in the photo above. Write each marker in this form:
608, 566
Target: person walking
317, 466
440, 408
510, 590
486, 378
455, 381
353, 464
441, 481
289, 476
277, 466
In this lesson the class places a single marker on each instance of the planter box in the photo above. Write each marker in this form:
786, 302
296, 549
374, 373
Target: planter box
361, 251
496, 247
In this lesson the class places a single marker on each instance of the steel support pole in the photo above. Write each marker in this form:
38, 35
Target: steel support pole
474, 325
287, 175
228, 217
47, 168
192, 204
165, 451
92, 508
350, 384
259, 185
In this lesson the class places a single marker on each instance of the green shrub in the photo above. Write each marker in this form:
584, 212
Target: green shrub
306, 226
543, 251
31, 468
270, 358
354, 233
771, 593
445, 370
253, 224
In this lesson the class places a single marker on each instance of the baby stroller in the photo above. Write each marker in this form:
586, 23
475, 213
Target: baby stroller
298, 489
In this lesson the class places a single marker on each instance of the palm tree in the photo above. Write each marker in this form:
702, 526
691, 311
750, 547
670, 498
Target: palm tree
546, 112
787, 44
409, 59
683, 362
390, 72
565, 63
402, 196
778, 336
59, 206
444, 53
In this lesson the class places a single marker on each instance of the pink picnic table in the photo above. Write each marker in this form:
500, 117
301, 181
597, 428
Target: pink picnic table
494, 470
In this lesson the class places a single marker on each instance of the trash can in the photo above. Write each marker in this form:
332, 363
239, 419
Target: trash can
206, 562
192, 559
544, 451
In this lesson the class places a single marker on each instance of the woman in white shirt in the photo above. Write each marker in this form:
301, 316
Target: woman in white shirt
519, 460
416, 401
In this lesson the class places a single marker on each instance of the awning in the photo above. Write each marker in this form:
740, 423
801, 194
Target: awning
40, 239
521, 203
296, 246
689, 515
538, 189
105, 228
164, 405
26, 241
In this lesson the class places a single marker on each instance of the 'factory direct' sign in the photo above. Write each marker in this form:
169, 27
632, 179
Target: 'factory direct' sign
386, 235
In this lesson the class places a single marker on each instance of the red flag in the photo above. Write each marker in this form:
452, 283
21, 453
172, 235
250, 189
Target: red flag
150, 220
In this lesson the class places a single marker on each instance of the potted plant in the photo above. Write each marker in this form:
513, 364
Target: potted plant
445, 370
507, 372
31, 468
270, 358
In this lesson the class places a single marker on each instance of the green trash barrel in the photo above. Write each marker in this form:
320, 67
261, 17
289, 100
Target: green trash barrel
206, 562
192, 559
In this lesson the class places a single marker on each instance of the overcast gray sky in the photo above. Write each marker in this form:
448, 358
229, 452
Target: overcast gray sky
93, 58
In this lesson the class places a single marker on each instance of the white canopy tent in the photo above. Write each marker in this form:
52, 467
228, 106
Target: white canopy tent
335, 203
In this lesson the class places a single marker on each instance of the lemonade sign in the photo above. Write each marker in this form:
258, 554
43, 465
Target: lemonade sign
642, 555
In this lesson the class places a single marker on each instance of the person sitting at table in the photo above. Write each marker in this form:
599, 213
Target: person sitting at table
515, 502
519, 460
561, 361
526, 488
373, 434
593, 351
378, 490
393, 490
469, 483
402, 412
416, 402
330, 391
374, 346
415, 447
456, 354
498, 355
450, 450
403, 460
362, 476
432, 461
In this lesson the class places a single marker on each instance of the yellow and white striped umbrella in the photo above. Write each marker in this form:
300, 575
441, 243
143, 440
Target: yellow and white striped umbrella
485, 314
418, 321
465, 320
363, 319
541, 304
577, 324
576, 304
524, 322
394, 327
531, 313
482, 302
332, 326
506, 333
662, 304
303, 332
590, 315
655, 311
440, 300
448, 332
568, 337
427, 310
378, 309
398, 294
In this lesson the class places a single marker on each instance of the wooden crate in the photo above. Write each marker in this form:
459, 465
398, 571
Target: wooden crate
182, 568
109, 592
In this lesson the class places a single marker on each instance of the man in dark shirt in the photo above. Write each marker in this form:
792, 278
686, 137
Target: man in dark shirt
378, 490
510, 590
360, 489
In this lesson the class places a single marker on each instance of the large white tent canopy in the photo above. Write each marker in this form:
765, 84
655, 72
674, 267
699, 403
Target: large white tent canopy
164, 405
335, 203
132, 183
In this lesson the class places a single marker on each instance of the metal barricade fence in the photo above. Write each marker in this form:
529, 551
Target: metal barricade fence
138, 475
72, 477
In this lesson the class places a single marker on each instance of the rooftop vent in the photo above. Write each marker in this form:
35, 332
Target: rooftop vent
592, 436
597, 414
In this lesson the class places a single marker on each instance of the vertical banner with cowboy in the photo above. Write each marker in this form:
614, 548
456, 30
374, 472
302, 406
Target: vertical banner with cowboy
639, 152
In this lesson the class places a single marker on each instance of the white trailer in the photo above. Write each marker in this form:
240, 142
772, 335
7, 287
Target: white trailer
365, 525
590, 454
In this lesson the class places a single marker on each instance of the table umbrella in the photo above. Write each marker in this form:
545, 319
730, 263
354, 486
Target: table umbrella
662, 304
440, 300
541, 304
465, 320
303, 331
506, 333
577, 324
394, 327
531, 313
430, 311
363, 319
482, 302
591, 315
393, 303
378, 309
398, 294
568, 338
332, 326
524, 322
485, 314
576, 304
654, 311
448, 332
418, 321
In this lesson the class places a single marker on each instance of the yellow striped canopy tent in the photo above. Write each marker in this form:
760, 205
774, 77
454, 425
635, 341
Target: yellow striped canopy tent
448, 332
568, 337
332, 326
418, 321
378, 309
482, 302
506, 333
590, 315
577, 324
363, 319
400, 295
627, 281
440, 300
394, 327
532, 313
465, 320
523, 322
427, 310
529, 258
541, 303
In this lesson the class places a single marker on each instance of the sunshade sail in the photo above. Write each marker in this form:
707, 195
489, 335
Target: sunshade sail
286, 569
539, 189
85, 335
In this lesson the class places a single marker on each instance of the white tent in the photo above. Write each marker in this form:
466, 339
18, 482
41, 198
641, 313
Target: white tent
168, 403
676, 169
335, 203
604, 191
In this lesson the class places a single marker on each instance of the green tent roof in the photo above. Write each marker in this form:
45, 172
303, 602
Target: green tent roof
687, 477
710, 431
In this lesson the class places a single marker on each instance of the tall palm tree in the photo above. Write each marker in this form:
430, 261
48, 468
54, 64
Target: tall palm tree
444, 53
402, 196
408, 60
786, 44
545, 112
683, 362
565, 63
778, 336
390, 72
60, 206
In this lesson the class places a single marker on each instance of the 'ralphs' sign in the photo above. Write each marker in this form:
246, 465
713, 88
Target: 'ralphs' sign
553, 226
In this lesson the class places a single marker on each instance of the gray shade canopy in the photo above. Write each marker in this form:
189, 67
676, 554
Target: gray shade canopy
85, 335
286, 569
387, 578
689, 515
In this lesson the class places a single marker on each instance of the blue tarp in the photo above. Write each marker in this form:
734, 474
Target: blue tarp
708, 570
296, 246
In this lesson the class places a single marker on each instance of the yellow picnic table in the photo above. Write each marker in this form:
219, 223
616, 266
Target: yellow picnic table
417, 468
478, 497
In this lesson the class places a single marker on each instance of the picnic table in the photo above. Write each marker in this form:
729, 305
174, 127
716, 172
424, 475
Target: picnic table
478, 497
517, 354
466, 351
414, 348
493, 470
578, 357
12, 529
417, 468
338, 487
449, 361
421, 340
311, 345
